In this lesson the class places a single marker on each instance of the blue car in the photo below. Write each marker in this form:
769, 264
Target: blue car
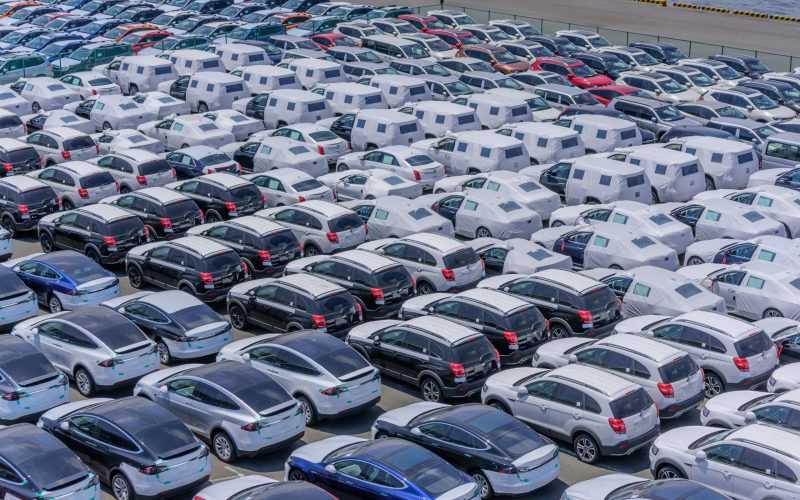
42, 41
349, 466
62, 48
98, 28
66, 280
198, 160
17, 301
20, 37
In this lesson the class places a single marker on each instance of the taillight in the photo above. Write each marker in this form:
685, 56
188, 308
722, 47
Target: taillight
778, 349
619, 303
318, 320
617, 425
239, 168
332, 391
417, 177
14, 396
141, 180
511, 338
108, 363
333, 238
152, 470
245, 268
166, 223
458, 370
301, 199
116, 185
23, 209
742, 364
67, 156
94, 91
97, 148
264, 256
509, 470
320, 149
300, 246
497, 356
206, 278
667, 390
24, 129
449, 274
109, 241
174, 173
414, 284
147, 232
209, 171
366, 229
360, 311
8, 167
547, 325
377, 294
483, 266
585, 316
263, 201
230, 207
83, 193
202, 217
251, 427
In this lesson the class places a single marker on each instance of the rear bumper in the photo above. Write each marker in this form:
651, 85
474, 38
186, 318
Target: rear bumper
466, 286
520, 357
678, 409
350, 411
465, 389
629, 446
749, 383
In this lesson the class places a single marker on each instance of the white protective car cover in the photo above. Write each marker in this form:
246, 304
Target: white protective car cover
674, 175
658, 291
622, 252
777, 293
548, 143
732, 223
524, 257
729, 163
503, 218
399, 220
606, 133
622, 174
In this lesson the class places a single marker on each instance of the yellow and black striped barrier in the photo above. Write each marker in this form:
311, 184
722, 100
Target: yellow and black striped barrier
662, 3
759, 15
785, 18
721, 10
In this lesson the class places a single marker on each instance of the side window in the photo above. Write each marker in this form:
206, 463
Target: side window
724, 453
569, 396
592, 356
757, 462
213, 397
545, 389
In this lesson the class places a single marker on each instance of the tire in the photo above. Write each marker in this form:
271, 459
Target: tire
592, 201
54, 304
341, 167
556, 223
534, 161
202, 107
133, 89
8, 224
121, 487
107, 126
46, 241
84, 383
381, 435
281, 124
67, 205
559, 331
124, 189
310, 251
586, 448
615, 267
713, 384
370, 147
473, 171
135, 277
35, 108
184, 146
431, 390
483, 483
710, 186
424, 288
92, 254
482, 232
163, 353
499, 406
296, 475
213, 217
695, 261
772, 313
669, 472
655, 197
186, 289
224, 447
309, 410
238, 317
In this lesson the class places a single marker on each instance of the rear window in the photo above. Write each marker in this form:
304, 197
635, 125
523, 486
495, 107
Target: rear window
153, 167
643, 242
631, 404
598, 299
97, 180
393, 180
373, 99
529, 186
195, 316
236, 87
316, 106
257, 391
466, 119
183, 209
323, 135
509, 206
307, 185
116, 334
332, 73
627, 134
753, 344
513, 152
298, 150
334, 355
507, 433
688, 290
408, 128
10, 121
210, 64
461, 258
280, 239
678, 369
339, 303
125, 228
474, 351
420, 213
636, 180
223, 262
526, 319
207, 127
417, 90
689, 169
246, 194
38, 196
393, 278
24, 155
82, 142
345, 223
519, 111
286, 80
162, 70
660, 219
418, 160
753, 216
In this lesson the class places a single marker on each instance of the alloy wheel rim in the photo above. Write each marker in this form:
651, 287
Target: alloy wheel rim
712, 387
296, 475
83, 383
163, 353
222, 447
55, 305
237, 318
120, 489
667, 474
430, 392
478, 478
585, 449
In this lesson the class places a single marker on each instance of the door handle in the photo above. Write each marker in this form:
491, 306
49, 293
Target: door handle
767, 485
726, 474
543, 408
576, 416
93, 445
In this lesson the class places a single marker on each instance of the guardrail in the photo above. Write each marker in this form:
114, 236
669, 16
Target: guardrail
778, 62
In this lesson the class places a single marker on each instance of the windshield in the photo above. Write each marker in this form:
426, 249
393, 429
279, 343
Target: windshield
416, 51
437, 44
669, 114
791, 94
761, 101
583, 70
730, 112
701, 79
766, 131
509, 83
14, 37
645, 59
757, 66
618, 65
38, 42
674, 53
505, 57
127, 227
458, 88
728, 73
52, 49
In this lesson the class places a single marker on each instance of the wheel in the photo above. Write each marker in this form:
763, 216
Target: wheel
772, 313
133, 89
163, 352
135, 277
559, 331
473, 171
424, 288
556, 223
341, 167
121, 488
84, 383
483, 483
92, 254
381, 435
592, 201
223, 446
107, 126
695, 261
238, 317
713, 385
212, 217
710, 184
369, 197
47, 242
431, 390
54, 304
370, 147
186, 289
308, 409
655, 197
499, 406
67, 205
202, 108
35, 107
586, 448
788, 231
482, 232
280, 124
124, 189
8, 225
614, 266
296, 475
310, 251
669, 472
184, 146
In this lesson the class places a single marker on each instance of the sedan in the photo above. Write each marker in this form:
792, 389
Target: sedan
777, 250
785, 378
111, 112
181, 132
262, 488
369, 184
113, 141
235, 122
90, 83
398, 216
723, 219
484, 214
402, 161
517, 256
161, 104
630, 487
287, 186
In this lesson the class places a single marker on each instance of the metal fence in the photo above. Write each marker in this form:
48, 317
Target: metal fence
778, 62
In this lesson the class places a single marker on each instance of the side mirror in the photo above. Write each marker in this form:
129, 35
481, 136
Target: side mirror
163, 389
573, 358
376, 342
246, 356
64, 425
715, 77
749, 417
330, 468
749, 108
653, 119
415, 431
522, 391
699, 456
658, 91
35, 331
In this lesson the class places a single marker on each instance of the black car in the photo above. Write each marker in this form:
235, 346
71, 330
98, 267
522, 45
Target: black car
343, 125
558, 45
195, 265
695, 130
749, 66
474, 438
104, 233
165, 213
605, 64
37, 465
296, 302
18, 157
780, 92
379, 284
256, 104
23, 201
442, 358
132, 435
178, 88
663, 52
647, 136
573, 304
264, 245
223, 196
513, 326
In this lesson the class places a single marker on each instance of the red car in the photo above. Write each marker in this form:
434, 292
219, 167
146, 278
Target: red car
573, 70
139, 40
423, 23
328, 40
609, 92
456, 39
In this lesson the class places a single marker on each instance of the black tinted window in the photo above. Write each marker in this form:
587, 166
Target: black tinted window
678, 369
631, 404
96, 180
461, 258
474, 351
82, 142
753, 344
345, 223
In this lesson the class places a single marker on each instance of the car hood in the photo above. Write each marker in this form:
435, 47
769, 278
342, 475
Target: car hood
639, 323
600, 487
316, 452
731, 401
402, 416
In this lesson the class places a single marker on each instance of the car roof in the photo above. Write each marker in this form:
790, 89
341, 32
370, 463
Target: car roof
594, 378
324, 208
569, 279
370, 260
448, 330
780, 440
259, 225
494, 298
161, 194
643, 346
170, 301
64, 132
225, 180
310, 283
137, 154
727, 325
199, 245
23, 183
106, 212
442, 243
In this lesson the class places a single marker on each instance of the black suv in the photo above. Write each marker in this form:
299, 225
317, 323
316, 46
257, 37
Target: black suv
297, 302
379, 284
196, 265
165, 213
103, 232
513, 326
255, 106
573, 304
264, 245
444, 359
222, 196
23, 201
343, 126
18, 157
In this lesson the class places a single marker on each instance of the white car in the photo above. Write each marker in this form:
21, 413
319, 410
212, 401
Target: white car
369, 184
517, 256
722, 219
161, 104
239, 124
111, 141
265, 154
777, 202
111, 112
255, 486
785, 378
327, 143
775, 249
180, 132
402, 161
630, 487
58, 118
45, 93
90, 83
737, 408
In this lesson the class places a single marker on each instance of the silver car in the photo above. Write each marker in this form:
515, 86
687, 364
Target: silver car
785, 378
61, 144
235, 122
109, 112
438, 263
90, 83
100, 349
628, 486
752, 103
777, 250
110, 141
135, 169
397, 216
776, 202
403, 161
78, 183
335, 380
287, 186
240, 410
180, 132
369, 184
739, 408
327, 143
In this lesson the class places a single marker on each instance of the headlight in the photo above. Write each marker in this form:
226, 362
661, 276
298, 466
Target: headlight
772, 381
653, 449
705, 412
